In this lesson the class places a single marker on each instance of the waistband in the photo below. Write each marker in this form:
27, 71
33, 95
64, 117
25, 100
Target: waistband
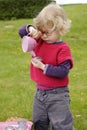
55, 90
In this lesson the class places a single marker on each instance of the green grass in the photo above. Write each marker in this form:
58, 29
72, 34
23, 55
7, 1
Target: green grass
16, 87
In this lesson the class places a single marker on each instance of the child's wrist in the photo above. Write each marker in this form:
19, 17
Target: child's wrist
42, 67
28, 27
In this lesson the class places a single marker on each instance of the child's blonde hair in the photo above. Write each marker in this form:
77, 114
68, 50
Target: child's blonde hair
52, 17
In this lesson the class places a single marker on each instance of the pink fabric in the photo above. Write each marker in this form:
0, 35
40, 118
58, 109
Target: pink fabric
3, 125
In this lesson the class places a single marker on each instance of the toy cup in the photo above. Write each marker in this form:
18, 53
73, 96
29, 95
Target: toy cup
28, 45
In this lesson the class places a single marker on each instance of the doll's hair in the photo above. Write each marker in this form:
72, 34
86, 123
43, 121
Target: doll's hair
52, 17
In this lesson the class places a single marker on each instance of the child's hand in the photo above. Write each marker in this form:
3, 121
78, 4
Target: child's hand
37, 63
34, 33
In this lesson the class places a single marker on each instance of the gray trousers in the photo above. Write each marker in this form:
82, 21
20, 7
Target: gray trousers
52, 107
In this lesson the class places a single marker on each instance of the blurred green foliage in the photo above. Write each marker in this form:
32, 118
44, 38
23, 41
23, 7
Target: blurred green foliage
12, 9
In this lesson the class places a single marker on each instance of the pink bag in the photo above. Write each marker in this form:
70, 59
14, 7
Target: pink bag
20, 125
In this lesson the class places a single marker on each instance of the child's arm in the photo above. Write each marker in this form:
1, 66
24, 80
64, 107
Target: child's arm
59, 71
23, 31
29, 30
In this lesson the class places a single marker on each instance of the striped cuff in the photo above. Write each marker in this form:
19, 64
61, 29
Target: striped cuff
45, 68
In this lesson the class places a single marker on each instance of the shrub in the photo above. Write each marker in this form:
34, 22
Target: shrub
10, 9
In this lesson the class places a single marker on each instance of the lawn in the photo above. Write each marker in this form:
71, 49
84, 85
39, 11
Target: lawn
16, 87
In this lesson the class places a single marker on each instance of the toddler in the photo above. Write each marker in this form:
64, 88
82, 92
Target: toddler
51, 100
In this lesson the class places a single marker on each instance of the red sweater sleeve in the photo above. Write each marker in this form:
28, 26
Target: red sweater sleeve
64, 55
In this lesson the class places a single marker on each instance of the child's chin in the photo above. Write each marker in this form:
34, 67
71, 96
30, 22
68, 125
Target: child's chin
48, 41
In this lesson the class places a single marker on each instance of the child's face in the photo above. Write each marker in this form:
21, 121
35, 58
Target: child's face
49, 35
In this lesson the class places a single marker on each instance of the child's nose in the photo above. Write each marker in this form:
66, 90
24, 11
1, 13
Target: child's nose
44, 35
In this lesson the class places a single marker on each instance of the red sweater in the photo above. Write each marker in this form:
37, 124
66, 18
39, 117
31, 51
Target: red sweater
51, 54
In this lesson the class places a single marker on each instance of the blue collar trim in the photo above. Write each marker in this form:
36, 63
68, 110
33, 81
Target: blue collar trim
58, 42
